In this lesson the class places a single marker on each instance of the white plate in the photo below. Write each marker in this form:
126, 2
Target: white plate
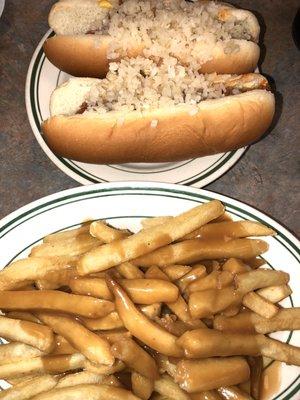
43, 77
123, 205
2, 4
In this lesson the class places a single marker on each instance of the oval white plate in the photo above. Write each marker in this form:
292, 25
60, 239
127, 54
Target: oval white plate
123, 205
43, 77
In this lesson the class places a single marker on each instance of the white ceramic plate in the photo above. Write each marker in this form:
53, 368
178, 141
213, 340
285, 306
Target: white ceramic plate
123, 205
43, 77
2, 4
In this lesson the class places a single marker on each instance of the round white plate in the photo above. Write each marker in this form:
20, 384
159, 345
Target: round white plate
43, 77
123, 205
2, 4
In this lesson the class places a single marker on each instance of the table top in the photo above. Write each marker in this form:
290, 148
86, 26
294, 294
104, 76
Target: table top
265, 177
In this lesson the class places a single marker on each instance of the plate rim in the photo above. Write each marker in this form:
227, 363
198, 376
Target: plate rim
201, 179
142, 188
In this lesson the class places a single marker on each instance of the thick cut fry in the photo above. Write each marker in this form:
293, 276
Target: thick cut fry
259, 305
165, 365
167, 387
208, 395
287, 319
141, 386
62, 346
151, 311
135, 358
195, 250
56, 279
154, 221
256, 369
29, 270
141, 291
148, 240
211, 301
175, 272
235, 266
215, 280
23, 315
110, 321
92, 346
205, 343
129, 271
228, 230
196, 273
11, 352
53, 300
172, 325
140, 326
65, 235
279, 351
70, 247
106, 233
260, 278
42, 365
35, 335
201, 375
255, 263
275, 294
104, 369
80, 378
233, 393
88, 391
115, 335
32, 387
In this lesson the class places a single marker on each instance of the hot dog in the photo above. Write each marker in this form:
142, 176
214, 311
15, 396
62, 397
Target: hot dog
209, 36
143, 112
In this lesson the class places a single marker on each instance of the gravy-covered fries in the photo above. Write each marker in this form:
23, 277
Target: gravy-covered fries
177, 311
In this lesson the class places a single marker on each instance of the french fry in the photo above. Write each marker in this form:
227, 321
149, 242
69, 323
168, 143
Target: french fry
30, 333
104, 369
205, 343
259, 305
30, 269
87, 391
79, 378
93, 347
141, 386
165, 365
170, 323
106, 233
62, 346
175, 272
151, 311
167, 387
115, 335
235, 266
65, 235
53, 300
15, 351
207, 395
56, 279
28, 389
70, 247
110, 321
228, 230
275, 294
233, 393
195, 250
260, 278
154, 221
279, 351
137, 359
23, 315
141, 291
215, 280
256, 368
255, 263
287, 319
148, 240
211, 373
129, 271
196, 273
42, 365
140, 326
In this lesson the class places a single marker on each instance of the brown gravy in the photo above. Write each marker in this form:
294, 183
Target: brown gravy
270, 381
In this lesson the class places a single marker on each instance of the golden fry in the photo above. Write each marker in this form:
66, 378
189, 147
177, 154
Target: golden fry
196, 273
110, 321
260, 278
62, 346
79, 378
154, 221
167, 387
215, 280
235, 266
23, 315
106, 233
15, 351
170, 323
259, 305
148, 240
141, 386
104, 369
56, 279
30, 333
175, 272
233, 393
275, 294
256, 369
54, 300
129, 271
114, 335
65, 235
140, 326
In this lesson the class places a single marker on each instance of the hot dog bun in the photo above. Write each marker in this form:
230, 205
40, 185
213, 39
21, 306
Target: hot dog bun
170, 133
229, 46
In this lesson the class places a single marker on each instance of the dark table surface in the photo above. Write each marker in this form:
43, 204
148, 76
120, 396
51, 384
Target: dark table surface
267, 176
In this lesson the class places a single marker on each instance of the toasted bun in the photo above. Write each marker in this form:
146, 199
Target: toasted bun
219, 125
80, 54
86, 55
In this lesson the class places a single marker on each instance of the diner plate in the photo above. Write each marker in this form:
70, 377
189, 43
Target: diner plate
123, 205
43, 77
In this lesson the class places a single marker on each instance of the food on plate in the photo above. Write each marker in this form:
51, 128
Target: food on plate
211, 37
144, 112
132, 323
